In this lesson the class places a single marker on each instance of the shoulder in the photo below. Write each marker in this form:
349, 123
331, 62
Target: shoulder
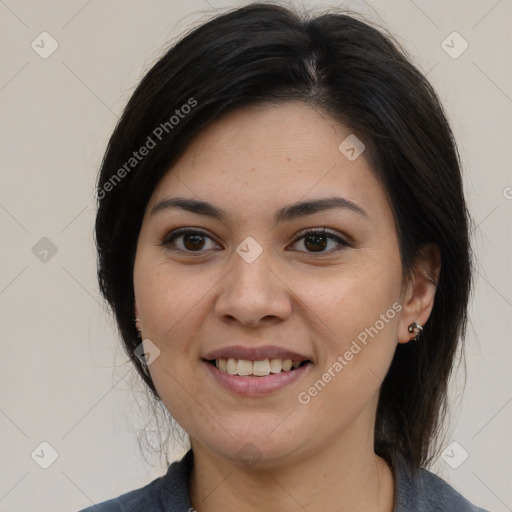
167, 493
419, 490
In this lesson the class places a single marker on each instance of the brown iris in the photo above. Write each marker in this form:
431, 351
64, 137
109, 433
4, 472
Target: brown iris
315, 242
193, 241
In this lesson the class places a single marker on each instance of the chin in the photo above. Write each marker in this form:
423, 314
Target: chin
257, 451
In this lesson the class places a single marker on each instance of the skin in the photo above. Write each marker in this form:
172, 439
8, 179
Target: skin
318, 456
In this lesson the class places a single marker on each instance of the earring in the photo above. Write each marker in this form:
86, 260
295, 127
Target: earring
415, 328
136, 326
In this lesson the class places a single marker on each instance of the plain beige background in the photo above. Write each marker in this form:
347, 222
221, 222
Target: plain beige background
64, 378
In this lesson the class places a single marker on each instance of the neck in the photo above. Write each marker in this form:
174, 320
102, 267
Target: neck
344, 476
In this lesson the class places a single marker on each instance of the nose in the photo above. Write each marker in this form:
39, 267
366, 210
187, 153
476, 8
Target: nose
252, 294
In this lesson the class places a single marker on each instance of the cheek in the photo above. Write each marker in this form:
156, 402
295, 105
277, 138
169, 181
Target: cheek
356, 314
355, 351
351, 297
170, 298
173, 302
170, 304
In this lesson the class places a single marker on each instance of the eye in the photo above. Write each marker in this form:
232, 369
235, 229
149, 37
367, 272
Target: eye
188, 240
195, 241
317, 240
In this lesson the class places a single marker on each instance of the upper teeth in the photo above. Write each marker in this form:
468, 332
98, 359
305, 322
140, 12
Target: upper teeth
258, 368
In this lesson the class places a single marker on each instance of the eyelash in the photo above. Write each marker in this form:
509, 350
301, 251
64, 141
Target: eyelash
171, 237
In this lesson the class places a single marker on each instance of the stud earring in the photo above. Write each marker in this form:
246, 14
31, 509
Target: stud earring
415, 328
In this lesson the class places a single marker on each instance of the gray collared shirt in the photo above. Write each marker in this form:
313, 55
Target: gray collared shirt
415, 491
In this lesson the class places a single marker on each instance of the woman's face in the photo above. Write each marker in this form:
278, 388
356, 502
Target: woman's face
252, 285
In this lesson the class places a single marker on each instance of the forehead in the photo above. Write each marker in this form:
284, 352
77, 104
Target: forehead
271, 155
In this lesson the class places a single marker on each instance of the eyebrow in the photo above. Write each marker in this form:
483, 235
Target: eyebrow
288, 213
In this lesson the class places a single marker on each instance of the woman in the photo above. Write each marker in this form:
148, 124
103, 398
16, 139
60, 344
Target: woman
283, 238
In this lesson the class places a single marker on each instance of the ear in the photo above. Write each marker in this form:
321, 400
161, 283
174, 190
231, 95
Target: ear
419, 291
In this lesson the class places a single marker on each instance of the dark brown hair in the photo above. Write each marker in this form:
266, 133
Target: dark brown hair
360, 77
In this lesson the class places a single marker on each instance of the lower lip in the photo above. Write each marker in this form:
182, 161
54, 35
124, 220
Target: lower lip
252, 386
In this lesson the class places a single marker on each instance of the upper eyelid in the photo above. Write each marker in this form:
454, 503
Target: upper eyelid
175, 233
324, 231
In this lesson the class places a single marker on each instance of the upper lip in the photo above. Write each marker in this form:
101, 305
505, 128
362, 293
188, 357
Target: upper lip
255, 353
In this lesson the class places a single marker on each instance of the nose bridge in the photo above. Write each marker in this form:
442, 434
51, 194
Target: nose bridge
250, 290
250, 275
253, 271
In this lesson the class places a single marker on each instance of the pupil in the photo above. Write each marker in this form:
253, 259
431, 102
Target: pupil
192, 242
318, 242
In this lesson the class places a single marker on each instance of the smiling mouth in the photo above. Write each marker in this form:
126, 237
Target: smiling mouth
260, 368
